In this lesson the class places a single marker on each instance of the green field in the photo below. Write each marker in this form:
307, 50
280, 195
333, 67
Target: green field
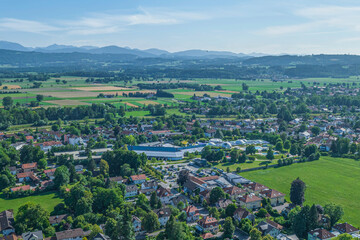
328, 180
46, 200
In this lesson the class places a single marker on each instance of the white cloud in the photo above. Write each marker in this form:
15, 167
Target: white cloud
25, 26
320, 19
99, 23
110, 23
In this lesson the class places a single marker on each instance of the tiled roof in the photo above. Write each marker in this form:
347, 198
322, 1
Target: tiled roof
29, 165
249, 198
23, 188
233, 190
256, 186
271, 193
138, 177
345, 228
322, 233
73, 233
6, 220
209, 178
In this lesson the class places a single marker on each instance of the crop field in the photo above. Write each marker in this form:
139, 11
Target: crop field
76, 91
328, 180
67, 102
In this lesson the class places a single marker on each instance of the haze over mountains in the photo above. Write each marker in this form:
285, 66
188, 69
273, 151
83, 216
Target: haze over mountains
153, 52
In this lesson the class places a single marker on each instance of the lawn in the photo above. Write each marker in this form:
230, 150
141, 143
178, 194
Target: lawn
46, 200
328, 180
246, 165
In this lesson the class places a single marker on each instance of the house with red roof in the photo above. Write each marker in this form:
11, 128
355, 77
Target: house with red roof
192, 213
138, 179
276, 197
28, 167
164, 194
208, 224
234, 192
207, 236
50, 173
20, 188
255, 187
250, 201
320, 234
345, 228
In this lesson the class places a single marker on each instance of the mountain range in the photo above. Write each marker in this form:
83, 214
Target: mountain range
152, 52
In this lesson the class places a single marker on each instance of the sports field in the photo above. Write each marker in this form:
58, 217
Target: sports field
328, 180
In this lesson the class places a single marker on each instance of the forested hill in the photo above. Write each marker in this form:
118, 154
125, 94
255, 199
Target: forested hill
36, 59
288, 60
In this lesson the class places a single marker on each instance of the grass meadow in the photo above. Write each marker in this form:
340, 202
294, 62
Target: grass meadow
328, 180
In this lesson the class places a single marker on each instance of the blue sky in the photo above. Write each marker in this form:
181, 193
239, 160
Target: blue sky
266, 26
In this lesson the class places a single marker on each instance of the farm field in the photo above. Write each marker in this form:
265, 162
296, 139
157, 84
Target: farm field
77, 91
47, 200
328, 180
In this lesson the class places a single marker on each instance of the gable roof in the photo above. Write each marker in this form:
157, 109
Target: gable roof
223, 203
6, 220
22, 188
57, 219
190, 209
163, 192
72, 233
29, 165
207, 220
206, 236
210, 178
163, 212
138, 177
241, 212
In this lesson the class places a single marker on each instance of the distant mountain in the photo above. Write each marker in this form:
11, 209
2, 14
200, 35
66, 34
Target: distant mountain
156, 51
152, 52
120, 50
12, 46
205, 53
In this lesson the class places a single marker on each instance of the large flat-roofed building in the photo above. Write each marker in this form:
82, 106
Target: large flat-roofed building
165, 151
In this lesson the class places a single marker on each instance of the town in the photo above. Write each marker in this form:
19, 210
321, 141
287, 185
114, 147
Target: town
130, 173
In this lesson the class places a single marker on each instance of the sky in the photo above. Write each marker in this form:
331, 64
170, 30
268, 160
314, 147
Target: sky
242, 26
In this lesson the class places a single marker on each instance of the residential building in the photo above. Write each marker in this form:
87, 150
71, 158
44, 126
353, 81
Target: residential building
138, 179
255, 187
208, 224
72, 234
164, 195
276, 197
6, 222
163, 215
192, 213
269, 227
131, 190
345, 228
234, 192
250, 201
136, 222
38, 235
320, 234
